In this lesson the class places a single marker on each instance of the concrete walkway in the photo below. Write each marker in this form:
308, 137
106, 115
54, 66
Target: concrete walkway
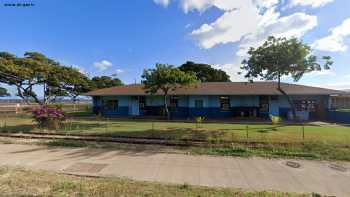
251, 174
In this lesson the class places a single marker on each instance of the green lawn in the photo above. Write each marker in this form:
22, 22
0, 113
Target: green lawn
334, 134
343, 110
18, 182
326, 142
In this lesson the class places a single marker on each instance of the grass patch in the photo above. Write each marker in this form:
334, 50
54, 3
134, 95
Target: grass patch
317, 141
310, 150
343, 110
18, 182
334, 134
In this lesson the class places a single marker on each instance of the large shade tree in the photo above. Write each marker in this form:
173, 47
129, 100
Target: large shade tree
279, 57
69, 82
105, 82
35, 69
205, 72
165, 78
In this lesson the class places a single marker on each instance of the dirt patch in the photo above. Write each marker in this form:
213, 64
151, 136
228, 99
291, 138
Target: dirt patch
81, 167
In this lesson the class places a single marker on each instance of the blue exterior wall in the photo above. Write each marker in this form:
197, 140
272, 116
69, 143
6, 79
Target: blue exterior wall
339, 117
128, 105
280, 107
124, 105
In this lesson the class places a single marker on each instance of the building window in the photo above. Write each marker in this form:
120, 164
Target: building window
264, 104
305, 105
225, 103
111, 105
174, 102
142, 102
198, 103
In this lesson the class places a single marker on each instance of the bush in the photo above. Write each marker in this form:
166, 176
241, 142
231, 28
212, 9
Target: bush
276, 119
48, 117
199, 121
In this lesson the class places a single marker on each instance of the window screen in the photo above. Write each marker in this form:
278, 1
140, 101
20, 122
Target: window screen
174, 101
225, 103
305, 105
198, 103
264, 104
142, 102
111, 105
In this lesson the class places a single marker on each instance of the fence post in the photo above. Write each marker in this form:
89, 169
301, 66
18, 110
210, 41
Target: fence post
17, 107
152, 126
303, 129
247, 131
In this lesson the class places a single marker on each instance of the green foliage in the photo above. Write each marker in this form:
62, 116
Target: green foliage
199, 120
72, 82
3, 92
35, 69
205, 72
105, 82
279, 57
48, 117
276, 120
166, 78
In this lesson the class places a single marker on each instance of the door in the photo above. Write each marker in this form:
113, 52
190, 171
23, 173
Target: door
134, 107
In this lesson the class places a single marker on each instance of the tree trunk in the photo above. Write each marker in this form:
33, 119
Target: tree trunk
19, 93
74, 103
292, 106
166, 107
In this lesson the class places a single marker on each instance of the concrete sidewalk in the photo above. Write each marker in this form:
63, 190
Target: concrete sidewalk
252, 173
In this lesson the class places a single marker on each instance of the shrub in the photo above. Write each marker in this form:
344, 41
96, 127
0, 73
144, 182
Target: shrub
276, 119
48, 117
199, 120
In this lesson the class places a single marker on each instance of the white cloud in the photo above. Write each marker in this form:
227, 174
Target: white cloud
224, 29
338, 85
80, 69
247, 23
257, 25
335, 41
103, 65
164, 3
295, 25
232, 70
225, 5
119, 71
312, 3
320, 73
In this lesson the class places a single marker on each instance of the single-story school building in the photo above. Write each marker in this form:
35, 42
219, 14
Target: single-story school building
215, 100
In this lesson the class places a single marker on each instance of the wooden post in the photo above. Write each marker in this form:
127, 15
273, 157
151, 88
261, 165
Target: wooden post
303, 129
152, 126
247, 131
106, 128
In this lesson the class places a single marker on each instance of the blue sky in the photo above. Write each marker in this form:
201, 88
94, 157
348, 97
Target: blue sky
124, 37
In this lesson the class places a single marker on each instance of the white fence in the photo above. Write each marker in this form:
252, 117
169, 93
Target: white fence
15, 108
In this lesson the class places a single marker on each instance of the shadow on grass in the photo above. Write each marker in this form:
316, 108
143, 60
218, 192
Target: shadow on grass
23, 128
167, 134
78, 126
67, 127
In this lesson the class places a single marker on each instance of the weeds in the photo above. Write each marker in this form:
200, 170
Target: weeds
39, 183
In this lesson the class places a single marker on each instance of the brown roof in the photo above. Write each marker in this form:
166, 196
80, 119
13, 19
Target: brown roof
221, 88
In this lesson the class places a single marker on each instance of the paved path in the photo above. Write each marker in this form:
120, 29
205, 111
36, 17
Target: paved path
252, 174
